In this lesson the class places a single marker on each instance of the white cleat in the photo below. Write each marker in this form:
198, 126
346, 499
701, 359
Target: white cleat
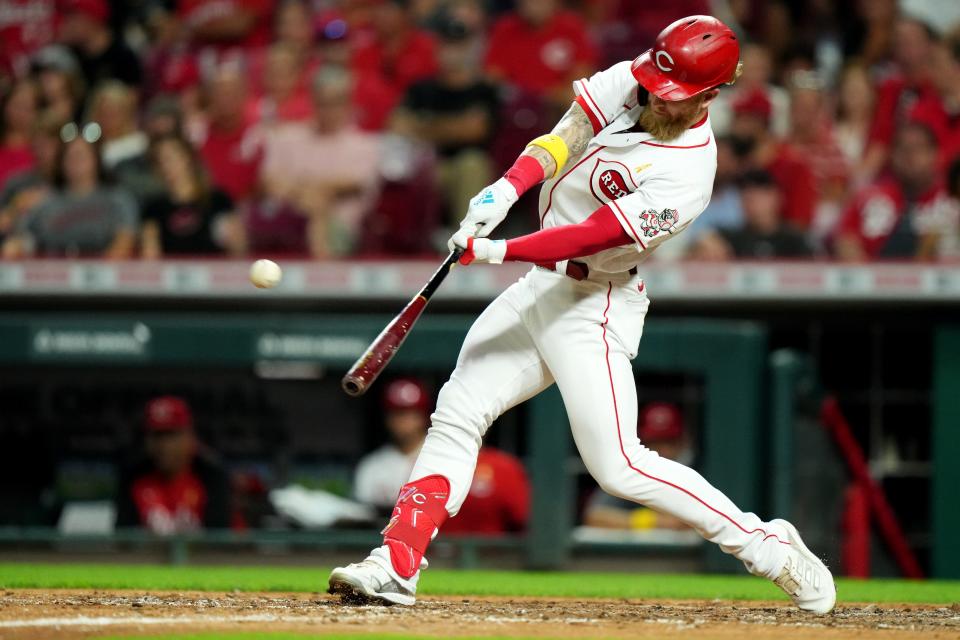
373, 581
805, 578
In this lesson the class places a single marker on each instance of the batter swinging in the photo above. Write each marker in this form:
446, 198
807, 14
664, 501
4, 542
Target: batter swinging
630, 165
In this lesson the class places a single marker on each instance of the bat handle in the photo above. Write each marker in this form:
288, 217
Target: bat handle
440, 274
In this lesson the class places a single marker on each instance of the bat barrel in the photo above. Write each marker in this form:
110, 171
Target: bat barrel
372, 363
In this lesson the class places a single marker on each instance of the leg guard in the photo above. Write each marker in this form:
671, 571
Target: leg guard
421, 510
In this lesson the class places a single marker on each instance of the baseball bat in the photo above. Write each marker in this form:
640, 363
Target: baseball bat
378, 355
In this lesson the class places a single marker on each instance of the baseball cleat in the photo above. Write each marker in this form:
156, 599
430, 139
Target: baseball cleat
372, 581
805, 578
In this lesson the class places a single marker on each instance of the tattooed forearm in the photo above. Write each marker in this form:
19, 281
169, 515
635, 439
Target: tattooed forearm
542, 156
575, 129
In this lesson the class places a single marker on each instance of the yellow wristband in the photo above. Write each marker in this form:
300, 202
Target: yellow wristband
555, 146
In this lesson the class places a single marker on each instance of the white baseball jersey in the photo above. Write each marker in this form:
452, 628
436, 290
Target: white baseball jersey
655, 189
581, 335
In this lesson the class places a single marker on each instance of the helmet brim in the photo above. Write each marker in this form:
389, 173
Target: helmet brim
652, 79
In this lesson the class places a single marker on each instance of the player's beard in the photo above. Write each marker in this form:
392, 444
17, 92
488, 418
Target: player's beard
667, 127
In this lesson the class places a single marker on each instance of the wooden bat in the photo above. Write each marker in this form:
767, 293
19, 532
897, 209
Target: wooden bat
378, 355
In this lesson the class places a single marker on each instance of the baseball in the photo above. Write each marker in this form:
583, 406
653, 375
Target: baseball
265, 274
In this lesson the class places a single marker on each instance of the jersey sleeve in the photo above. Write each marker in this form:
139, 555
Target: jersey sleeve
658, 210
606, 94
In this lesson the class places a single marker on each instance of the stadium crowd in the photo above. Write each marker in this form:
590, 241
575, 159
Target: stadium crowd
340, 128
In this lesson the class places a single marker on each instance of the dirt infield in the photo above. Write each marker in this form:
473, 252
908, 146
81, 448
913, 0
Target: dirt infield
90, 614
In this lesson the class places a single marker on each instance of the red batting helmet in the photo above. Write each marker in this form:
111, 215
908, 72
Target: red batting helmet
692, 55
406, 393
660, 421
168, 413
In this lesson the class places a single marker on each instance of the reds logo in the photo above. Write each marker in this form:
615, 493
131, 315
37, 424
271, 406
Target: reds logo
653, 222
611, 180
659, 59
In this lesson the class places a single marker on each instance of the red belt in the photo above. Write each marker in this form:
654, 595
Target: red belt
576, 270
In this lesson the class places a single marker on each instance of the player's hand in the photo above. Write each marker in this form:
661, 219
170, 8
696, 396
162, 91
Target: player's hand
483, 250
487, 209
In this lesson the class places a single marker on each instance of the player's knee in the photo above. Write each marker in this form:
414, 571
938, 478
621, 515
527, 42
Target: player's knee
619, 479
613, 482
461, 411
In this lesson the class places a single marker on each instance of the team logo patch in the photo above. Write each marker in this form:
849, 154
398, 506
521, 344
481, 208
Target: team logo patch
653, 222
611, 180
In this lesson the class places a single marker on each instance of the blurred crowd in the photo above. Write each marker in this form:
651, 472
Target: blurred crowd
341, 128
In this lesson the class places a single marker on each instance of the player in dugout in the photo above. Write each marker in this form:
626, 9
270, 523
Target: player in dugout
629, 166
499, 496
178, 487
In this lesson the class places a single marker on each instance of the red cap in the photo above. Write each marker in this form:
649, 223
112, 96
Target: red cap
406, 393
97, 9
168, 413
753, 103
692, 55
660, 421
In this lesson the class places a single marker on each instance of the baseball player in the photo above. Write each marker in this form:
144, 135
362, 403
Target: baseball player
629, 166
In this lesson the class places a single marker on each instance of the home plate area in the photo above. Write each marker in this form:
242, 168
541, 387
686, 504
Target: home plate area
137, 614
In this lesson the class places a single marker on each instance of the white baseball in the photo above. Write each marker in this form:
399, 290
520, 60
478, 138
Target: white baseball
265, 274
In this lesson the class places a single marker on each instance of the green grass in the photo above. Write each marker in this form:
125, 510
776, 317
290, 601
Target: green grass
447, 582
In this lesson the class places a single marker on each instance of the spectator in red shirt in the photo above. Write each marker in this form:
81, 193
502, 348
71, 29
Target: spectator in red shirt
542, 49
373, 97
18, 115
812, 137
285, 96
170, 65
227, 24
758, 148
25, 27
231, 148
395, 51
944, 116
906, 214
909, 89
293, 27
180, 487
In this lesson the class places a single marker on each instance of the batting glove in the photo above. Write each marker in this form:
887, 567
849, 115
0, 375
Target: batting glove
487, 209
483, 250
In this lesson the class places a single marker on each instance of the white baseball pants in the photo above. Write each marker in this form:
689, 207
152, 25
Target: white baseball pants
582, 335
